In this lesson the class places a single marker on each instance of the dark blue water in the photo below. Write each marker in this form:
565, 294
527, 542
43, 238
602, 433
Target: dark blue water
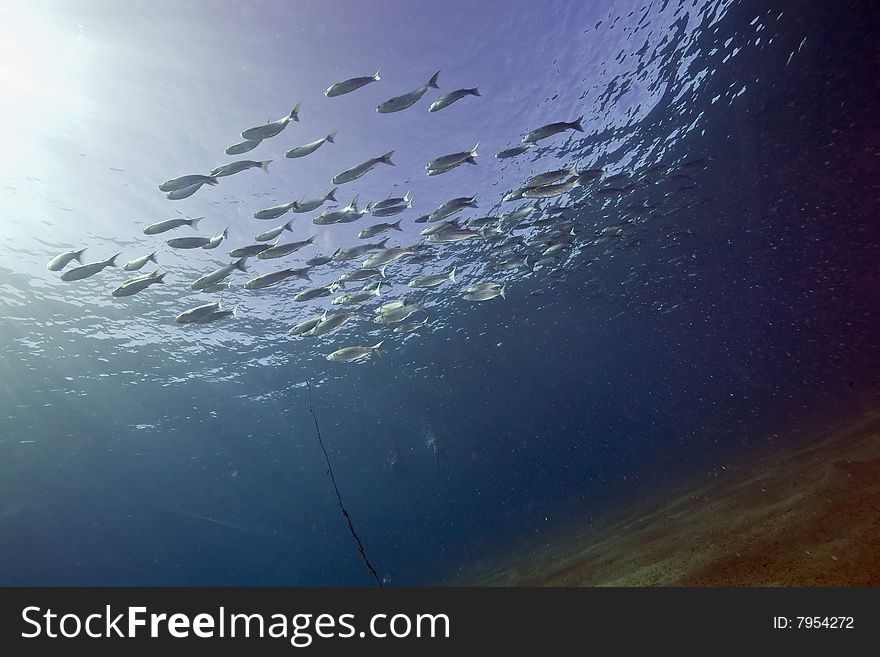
739, 312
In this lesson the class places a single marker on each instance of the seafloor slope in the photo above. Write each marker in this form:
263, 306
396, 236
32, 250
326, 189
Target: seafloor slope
805, 517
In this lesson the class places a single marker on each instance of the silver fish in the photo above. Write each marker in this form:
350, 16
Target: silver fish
448, 99
187, 243
137, 263
272, 128
520, 213
399, 314
550, 177
452, 207
314, 203
447, 162
275, 211
84, 271
218, 275
272, 233
281, 250
389, 255
332, 322
341, 216
317, 292
481, 222
217, 239
451, 235
169, 224
238, 166
372, 231
409, 327
249, 250
353, 354
306, 325
357, 171
433, 280
389, 211
60, 261
357, 297
275, 277
215, 316
187, 181
183, 192
421, 220
484, 292
352, 252
190, 315
361, 275
243, 146
550, 191
319, 260
352, 84
311, 147
398, 103
135, 285
514, 195
390, 202
436, 228
513, 152
551, 129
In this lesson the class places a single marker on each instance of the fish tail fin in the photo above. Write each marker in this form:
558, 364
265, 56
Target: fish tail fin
474, 149
303, 274
475, 91
376, 346
407, 198
503, 296
382, 271
396, 224
433, 81
452, 276
160, 277
382, 243
153, 256
311, 239
376, 75
112, 261
471, 160
264, 165
235, 311
386, 159
576, 124
294, 113
79, 254
473, 202
241, 264
332, 136
378, 290
225, 232
354, 202
574, 171
212, 180
194, 223
331, 195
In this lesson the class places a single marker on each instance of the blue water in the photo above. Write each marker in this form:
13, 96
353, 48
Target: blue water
738, 313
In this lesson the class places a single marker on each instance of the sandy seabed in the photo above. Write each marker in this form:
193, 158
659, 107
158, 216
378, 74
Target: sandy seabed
802, 517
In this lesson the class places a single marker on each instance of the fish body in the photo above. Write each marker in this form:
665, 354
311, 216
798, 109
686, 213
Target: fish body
218, 275
389, 255
85, 271
409, 327
217, 239
192, 314
353, 354
352, 252
243, 146
352, 84
311, 147
187, 181
550, 177
399, 103
372, 231
272, 233
276, 277
358, 170
135, 285
170, 224
356, 297
137, 263
60, 261
216, 316
332, 322
551, 129
520, 213
406, 200
319, 260
281, 250
447, 162
439, 226
484, 292
316, 292
400, 314
513, 152
305, 326
451, 235
550, 191
183, 192
239, 166
447, 99
452, 207
188, 243
433, 280
389, 210
272, 128
249, 250
307, 205
275, 211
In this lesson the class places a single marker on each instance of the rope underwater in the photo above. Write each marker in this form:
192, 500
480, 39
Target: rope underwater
338, 496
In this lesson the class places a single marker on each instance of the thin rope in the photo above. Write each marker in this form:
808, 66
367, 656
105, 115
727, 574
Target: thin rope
338, 496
